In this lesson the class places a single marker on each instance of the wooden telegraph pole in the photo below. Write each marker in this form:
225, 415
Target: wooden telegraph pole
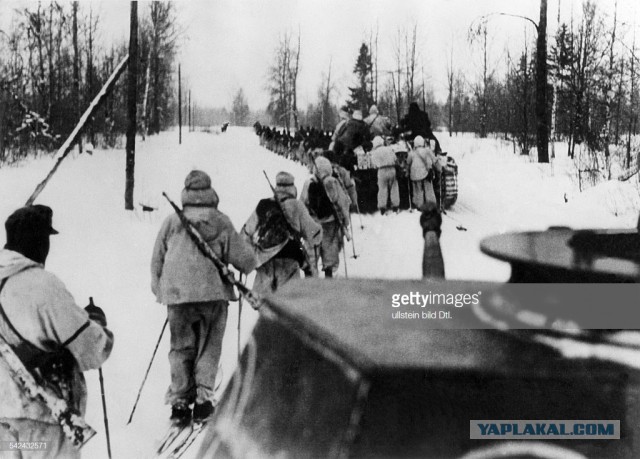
131, 107
541, 87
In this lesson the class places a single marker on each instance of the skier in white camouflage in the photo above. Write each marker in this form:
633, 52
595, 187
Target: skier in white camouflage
343, 176
378, 124
384, 159
54, 338
196, 296
276, 237
423, 167
324, 197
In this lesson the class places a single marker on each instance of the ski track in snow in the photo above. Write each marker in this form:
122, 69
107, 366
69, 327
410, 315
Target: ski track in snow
104, 251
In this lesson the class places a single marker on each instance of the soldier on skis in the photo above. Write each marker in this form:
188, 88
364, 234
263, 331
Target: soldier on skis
328, 204
340, 128
384, 159
196, 296
54, 338
343, 176
423, 167
276, 236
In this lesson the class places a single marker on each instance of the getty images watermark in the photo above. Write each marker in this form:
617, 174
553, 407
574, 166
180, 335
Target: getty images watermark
544, 430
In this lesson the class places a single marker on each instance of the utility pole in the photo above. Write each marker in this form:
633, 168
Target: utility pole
542, 136
542, 124
131, 107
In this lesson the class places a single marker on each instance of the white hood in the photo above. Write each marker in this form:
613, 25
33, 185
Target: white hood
13, 262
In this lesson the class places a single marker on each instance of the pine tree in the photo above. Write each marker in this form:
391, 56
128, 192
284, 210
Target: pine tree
360, 98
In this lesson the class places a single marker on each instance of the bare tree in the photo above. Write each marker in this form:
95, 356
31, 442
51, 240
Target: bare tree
450, 82
282, 82
163, 47
240, 109
374, 52
90, 30
632, 106
410, 62
76, 68
480, 34
293, 76
325, 97
608, 90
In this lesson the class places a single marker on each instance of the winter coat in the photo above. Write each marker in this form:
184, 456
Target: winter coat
378, 125
43, 312
383, 156
344, 177
354, 134
297, 216
180, 273
313, 191
420, 161
337, 132
418, 123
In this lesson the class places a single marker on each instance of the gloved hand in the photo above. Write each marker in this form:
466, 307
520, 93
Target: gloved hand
95, 313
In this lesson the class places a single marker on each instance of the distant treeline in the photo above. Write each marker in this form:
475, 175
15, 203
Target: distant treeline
53, 61
592, 91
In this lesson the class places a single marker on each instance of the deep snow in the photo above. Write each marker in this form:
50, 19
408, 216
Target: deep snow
104, 251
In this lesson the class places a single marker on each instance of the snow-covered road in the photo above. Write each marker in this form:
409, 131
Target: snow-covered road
104, 251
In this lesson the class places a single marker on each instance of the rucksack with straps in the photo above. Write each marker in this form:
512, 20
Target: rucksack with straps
319, 204
273, 228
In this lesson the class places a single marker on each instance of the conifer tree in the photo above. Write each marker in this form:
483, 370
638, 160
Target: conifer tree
360, 98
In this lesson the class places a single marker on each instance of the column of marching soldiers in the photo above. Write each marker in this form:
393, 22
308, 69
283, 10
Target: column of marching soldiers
334, 157
45, 333
361, 143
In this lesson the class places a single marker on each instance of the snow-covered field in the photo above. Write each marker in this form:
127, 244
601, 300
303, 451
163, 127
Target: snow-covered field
104, 251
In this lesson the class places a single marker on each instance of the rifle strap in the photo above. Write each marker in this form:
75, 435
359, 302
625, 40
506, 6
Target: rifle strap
32, 347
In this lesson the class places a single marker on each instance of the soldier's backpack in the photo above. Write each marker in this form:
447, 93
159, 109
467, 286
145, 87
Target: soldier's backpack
319, 204
273, 228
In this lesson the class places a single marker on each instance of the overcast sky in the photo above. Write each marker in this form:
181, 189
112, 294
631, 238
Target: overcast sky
229, 44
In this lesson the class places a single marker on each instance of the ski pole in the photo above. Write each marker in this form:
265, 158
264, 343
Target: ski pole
359, 215
344, 255
104, 409
314, 269
147, 373
410, 193
358, 209
104, 400
239, 319
353, 237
